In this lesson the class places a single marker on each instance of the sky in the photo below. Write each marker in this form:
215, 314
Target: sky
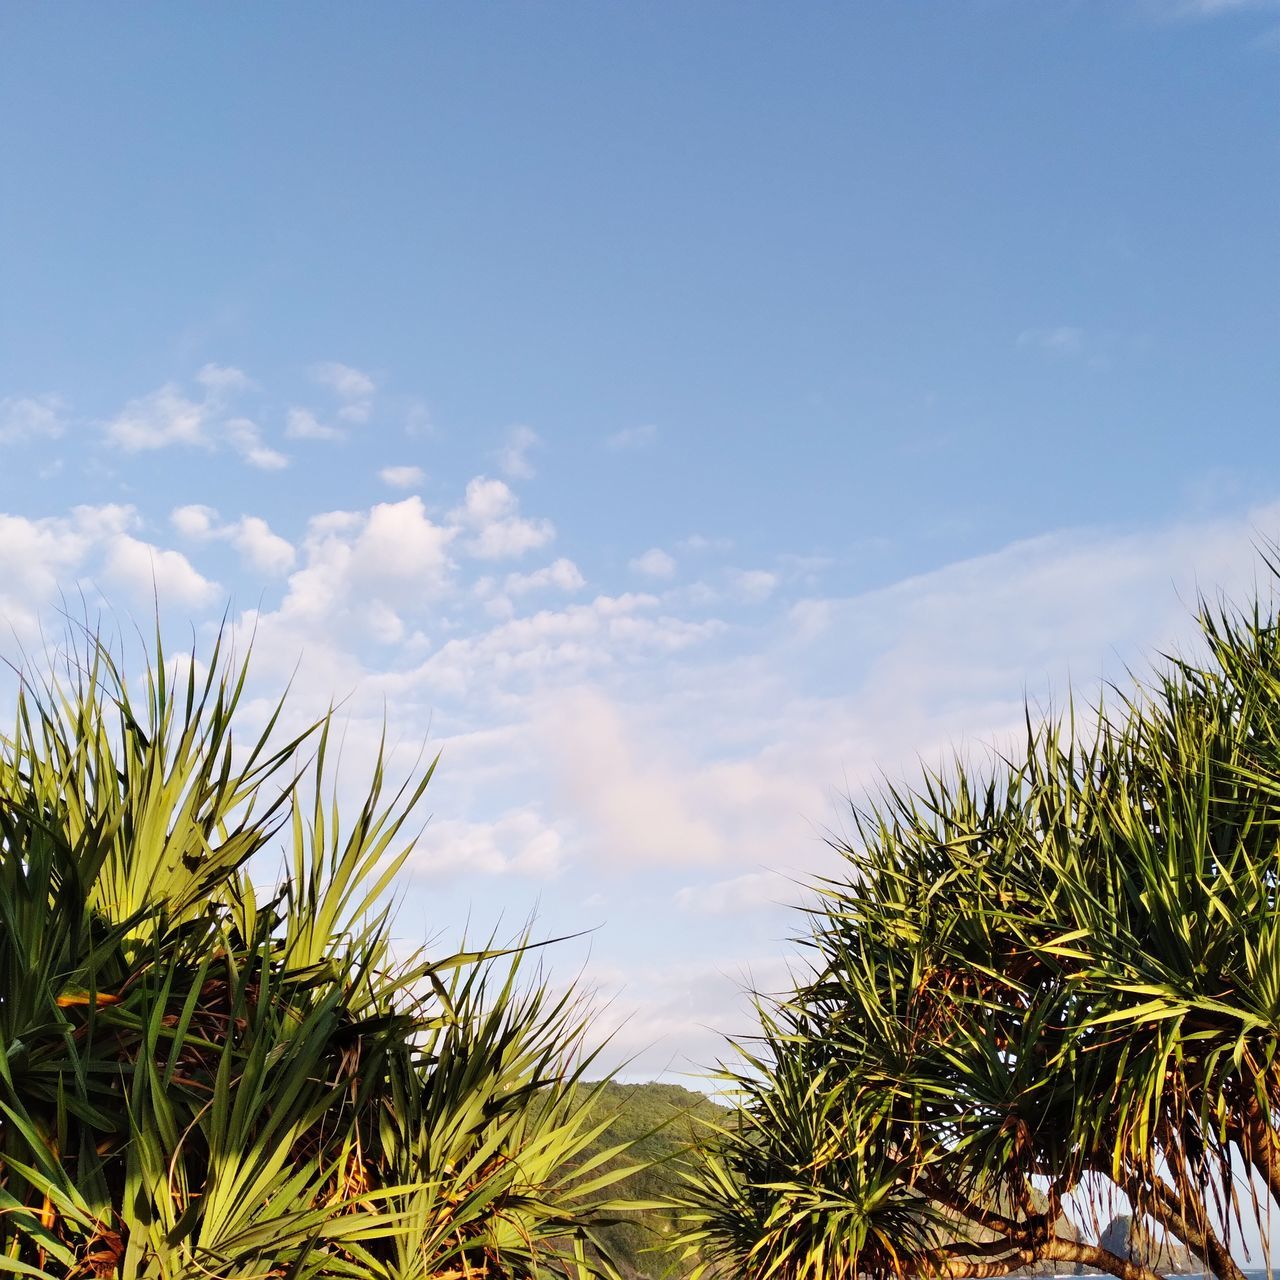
681, 416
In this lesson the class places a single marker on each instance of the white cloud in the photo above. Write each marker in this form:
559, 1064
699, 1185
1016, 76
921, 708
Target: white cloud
513, 457
36, 554
47, 559
31, 417
517, 843
363, 572
711, 773
561, 574
353, 388
496, 603
753, 585
147, 570
730, 764
259, 548
510, 539
194, 520
164, 417
169, 417
486, 501
246, 439
654, 563
550, 644
262, 549
302, 424
399, 541
222, 382
403, 477
632, 438
497, 531
101, 522
344, 381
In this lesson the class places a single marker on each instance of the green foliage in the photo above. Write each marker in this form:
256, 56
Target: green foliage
1053, 981
657, 1124
196, 1083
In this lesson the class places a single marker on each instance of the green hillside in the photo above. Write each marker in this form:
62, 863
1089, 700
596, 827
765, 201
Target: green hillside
660, 1120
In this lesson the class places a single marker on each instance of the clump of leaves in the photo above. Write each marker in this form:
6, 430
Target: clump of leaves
199, 1081
1036, 989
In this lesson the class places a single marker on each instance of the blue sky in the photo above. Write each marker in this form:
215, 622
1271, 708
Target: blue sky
676, 413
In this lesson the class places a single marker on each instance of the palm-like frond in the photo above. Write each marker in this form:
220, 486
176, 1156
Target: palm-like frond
1063, 971
197, 1083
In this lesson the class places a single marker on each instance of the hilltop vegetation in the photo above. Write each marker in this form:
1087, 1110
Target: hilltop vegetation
658, 1122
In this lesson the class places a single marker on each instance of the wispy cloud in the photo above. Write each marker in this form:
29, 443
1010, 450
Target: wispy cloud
1063, 339
632, 438
353, 391
417, 420
31, 417
223, 381
159, 419
353, 388
402, 477
654, 563
520, 842
171, 417
513, 457
245, 437
698, 542
562, 574
753, 585
302, 424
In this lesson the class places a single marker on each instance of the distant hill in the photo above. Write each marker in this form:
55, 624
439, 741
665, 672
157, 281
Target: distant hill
1133, 1239
660, 1119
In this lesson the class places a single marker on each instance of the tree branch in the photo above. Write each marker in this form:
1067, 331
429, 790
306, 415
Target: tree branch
1152, 1195
1003, 1257
1092, 1255
1258, 1143
953, 1198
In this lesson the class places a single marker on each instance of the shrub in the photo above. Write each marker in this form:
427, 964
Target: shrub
200, 1081
1051, 982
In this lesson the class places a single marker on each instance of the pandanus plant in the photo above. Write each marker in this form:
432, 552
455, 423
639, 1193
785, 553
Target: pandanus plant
1036, 989
198, 1080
